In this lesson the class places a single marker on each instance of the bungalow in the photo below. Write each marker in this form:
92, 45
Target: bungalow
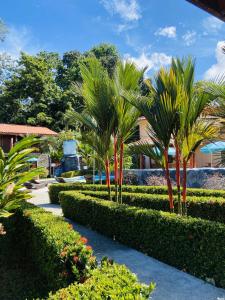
11, 133
198, 159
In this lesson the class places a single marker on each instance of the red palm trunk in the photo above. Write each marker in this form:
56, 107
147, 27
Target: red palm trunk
178, 177
184, 192
169, 185
121, 170
108, 177
115, 168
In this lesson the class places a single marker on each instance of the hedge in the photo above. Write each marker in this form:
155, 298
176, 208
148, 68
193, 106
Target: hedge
55, 189
64, 260
110, 281
50, 243
208, 208
193, 245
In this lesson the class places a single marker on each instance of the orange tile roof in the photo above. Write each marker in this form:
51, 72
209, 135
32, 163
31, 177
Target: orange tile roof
14, 129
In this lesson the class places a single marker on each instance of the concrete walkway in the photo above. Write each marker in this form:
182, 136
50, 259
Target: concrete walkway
171, 284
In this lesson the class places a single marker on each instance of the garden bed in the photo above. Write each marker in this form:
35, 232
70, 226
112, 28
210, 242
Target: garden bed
193, 245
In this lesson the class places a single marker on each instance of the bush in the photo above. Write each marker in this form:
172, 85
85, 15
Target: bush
208, 208
110, 281
50, 244
55, 189
193, 245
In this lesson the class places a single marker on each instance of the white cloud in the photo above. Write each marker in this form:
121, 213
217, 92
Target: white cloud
18, 40
218, 68
212, 24
128, 10
189, 38
152, 61
169, 31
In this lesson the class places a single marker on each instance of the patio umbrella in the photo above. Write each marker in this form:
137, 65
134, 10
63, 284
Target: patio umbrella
171, 151
32, 160
213, 148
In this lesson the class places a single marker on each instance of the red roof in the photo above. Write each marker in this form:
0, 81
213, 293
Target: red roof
14, 129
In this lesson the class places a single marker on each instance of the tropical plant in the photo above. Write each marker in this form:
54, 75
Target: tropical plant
14, 172
127, 78
99, 115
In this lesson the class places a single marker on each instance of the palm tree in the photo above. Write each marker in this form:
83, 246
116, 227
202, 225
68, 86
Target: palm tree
159, 109
127, 78
99, 115
14, 172
200, 131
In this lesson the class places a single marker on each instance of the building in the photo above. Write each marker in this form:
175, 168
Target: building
198, 160
214, 7
11, 133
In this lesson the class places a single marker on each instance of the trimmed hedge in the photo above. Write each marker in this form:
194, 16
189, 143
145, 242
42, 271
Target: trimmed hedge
110, 281
61, 257
55, 189
194, 245
50, 243
208, 208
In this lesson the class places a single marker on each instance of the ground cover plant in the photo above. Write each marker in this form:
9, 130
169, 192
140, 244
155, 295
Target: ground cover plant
191, 244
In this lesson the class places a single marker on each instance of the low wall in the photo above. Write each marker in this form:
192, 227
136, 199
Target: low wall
195, 177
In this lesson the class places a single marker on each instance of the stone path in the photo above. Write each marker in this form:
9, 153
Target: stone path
171, 284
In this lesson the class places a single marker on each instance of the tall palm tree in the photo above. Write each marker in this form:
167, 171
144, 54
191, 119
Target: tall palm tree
126, 78
159, 109
99, 114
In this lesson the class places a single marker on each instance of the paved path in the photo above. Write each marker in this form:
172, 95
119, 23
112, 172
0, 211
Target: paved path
172, 284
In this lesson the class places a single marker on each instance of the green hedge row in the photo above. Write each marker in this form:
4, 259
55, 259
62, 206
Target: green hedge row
65, 262
110, 281
50, 244
208, 208
194, 245
55, 189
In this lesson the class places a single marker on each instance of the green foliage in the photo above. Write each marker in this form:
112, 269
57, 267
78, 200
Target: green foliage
110, 281
107, 54
55, 189
14, 172
192, 245
59, 254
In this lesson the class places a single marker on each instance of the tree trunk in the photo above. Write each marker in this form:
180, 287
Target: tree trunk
115, 168
169, 185
121, 170
184, 192
178, 178
108, 177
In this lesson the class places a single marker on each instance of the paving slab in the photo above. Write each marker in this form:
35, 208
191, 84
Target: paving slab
171, 283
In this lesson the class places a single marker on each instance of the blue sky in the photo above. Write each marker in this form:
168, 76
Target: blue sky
149, 32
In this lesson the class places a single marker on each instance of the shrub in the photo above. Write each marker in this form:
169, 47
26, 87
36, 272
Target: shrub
193, 245
51, 245
209, 208
55, 189
110, 281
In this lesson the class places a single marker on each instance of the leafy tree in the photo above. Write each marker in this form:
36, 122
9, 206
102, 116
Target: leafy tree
107, 54
33, 92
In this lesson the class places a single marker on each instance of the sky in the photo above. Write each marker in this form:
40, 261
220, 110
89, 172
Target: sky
149, 32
